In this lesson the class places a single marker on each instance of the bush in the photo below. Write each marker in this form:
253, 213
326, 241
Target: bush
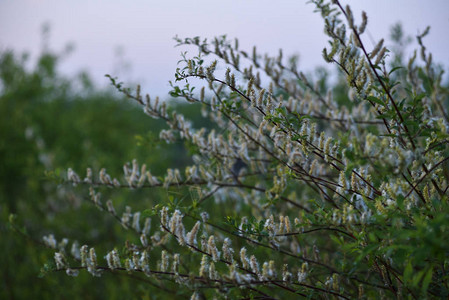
299, 189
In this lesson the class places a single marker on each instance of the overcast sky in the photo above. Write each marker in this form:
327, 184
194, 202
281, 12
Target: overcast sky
143, 30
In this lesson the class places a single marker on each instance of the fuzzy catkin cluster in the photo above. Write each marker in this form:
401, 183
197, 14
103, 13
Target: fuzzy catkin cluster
361, 169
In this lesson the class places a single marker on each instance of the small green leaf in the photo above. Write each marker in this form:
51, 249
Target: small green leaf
375, 100
408, 272
417, 277
426, 281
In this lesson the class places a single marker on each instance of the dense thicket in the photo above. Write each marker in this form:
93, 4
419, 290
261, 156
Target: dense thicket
296, 189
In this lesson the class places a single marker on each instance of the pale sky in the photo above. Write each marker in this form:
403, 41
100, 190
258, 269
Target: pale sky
144, 30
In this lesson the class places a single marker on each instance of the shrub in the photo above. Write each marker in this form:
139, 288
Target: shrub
299, 189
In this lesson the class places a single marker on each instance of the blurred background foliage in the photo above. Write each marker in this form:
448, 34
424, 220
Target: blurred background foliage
49, 122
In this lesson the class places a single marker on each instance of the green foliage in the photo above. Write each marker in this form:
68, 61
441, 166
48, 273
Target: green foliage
294, 189
48, 123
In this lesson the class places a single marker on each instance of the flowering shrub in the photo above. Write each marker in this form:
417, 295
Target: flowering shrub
297, 189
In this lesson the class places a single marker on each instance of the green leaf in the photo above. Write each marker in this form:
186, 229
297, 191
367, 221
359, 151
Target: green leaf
375, 100
395, 69
367, 250
148, 213
426, 281
419, 97
408, 272
417, 277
